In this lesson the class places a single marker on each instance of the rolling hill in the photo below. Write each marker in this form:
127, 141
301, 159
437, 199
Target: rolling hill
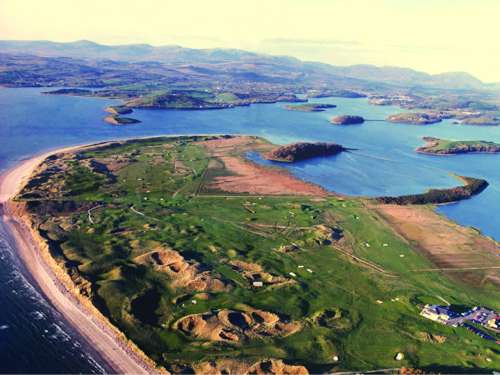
246, 62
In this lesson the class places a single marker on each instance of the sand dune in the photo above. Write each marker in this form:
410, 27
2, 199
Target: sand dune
120, 354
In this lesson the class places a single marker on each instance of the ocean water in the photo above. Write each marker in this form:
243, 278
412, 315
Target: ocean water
34, 338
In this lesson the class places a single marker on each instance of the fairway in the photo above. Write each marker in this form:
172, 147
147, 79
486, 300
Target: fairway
203, 258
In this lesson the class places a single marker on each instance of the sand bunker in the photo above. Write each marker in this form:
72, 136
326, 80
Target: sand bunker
184, 274
235, 326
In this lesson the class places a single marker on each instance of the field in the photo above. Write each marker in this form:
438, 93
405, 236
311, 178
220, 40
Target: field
193, 273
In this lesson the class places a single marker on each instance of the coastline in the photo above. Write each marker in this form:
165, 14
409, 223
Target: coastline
121, 354
455, 153
433, 142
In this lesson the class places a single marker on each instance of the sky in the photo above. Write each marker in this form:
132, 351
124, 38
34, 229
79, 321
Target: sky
429, 35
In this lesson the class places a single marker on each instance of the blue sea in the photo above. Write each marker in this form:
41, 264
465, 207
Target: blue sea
34, 337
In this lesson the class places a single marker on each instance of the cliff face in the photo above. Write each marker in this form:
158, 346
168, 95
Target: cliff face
302, 151
347, 120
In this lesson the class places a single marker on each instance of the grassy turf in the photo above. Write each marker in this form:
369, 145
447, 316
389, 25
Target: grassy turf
448, 146
154, 199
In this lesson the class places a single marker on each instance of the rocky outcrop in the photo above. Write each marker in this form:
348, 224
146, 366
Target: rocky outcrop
347, 120
302, 151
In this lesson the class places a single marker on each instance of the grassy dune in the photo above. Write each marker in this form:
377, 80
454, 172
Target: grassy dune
107, 207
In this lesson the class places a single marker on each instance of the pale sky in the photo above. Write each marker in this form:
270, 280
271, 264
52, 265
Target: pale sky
429, 35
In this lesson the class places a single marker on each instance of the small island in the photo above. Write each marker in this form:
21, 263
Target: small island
310, 107
436, 146
69, 91
347, 120
416, 118
479, 120
118, 120
119, 109
302, 151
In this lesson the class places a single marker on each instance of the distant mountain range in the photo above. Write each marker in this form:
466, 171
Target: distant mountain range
406, 76
176, 55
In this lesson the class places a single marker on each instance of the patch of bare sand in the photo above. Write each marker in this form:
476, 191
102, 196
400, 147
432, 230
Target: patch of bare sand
184, 274
254, 272
244, 176
264, 367
114, 163
448, 245
235, 326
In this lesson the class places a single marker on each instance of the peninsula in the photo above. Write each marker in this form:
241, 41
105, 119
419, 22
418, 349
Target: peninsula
69, 91
119, 110
310, 107
210, 263
472, 186
302, 151
120, 120
436, 146
416, 118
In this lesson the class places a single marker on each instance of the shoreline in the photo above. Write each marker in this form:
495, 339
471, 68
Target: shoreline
433, 142
455, 153
120, 354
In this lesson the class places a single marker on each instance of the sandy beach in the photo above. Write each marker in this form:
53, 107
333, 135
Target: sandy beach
121, 355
